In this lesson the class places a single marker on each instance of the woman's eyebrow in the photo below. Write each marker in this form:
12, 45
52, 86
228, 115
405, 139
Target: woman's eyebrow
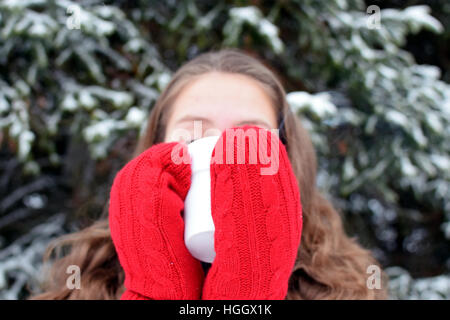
193, 118
255, 121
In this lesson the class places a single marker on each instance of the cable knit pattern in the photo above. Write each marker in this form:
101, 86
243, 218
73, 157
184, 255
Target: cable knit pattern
147, 228
258, 219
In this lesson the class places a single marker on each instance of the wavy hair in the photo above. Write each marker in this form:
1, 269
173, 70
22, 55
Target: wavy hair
329, 265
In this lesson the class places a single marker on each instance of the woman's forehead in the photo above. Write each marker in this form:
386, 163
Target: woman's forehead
232, 96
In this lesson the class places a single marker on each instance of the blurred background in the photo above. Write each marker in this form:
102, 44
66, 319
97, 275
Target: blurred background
369, 79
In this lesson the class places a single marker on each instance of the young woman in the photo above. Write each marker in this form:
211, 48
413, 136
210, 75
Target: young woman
131, 255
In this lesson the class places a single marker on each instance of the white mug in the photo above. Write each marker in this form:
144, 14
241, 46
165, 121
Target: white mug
198, 222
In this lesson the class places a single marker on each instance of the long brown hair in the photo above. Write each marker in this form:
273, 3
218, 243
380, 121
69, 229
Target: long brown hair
329, 265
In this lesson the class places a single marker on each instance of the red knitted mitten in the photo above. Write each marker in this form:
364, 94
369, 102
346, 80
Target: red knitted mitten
257, 217
147, 228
